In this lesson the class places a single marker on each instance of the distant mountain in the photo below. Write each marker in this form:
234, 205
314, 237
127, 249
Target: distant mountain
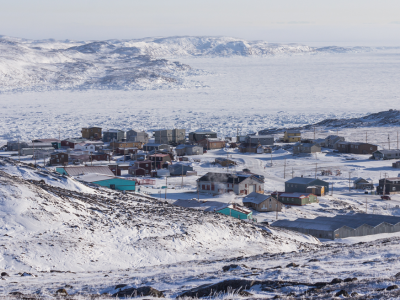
384, 118
32, 65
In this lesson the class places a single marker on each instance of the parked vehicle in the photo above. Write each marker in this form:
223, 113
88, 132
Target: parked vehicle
385, 198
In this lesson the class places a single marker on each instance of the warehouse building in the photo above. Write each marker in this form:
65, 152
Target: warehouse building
301, 185
343, 226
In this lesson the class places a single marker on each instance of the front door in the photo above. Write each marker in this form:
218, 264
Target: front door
252, 188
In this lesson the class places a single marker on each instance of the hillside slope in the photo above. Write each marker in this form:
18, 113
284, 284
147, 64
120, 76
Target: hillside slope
45, 227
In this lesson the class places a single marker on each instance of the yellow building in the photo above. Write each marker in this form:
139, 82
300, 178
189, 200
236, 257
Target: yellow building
292, 136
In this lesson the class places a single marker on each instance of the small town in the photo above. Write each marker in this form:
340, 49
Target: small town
229, 175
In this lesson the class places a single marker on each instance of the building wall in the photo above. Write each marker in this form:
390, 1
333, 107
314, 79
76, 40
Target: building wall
235, 214
302, 188
120, 184
91, 133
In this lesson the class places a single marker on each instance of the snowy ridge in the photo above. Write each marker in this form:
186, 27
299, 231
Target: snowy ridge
28, 65
388, 118
45, 227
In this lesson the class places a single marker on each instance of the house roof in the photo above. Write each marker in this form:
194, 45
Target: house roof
204, 132
256, 198
331, 224
112, 130
47, 140
302, 180
94, 177
236, 207
261, 136
389, 151
295, 195
226, 177
75, 171
292, 131
305, 145
158, 155
360, 179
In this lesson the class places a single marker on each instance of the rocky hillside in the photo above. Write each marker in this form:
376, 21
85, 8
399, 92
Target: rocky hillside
46, 227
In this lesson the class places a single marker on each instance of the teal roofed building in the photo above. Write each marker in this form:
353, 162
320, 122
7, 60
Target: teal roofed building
111, 182
236, 211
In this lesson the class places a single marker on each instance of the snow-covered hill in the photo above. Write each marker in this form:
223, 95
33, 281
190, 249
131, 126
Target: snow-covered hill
29, 65
46, 227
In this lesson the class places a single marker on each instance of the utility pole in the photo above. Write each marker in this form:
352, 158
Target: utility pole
397, 140
198, 191
332, 190
271, 157
91, 159
284, 170
316, 169
389, 141
292, 173
366, 137
277, 202
19, 157
366, 205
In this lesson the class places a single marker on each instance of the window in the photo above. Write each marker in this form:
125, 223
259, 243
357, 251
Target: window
245, 185
393, 188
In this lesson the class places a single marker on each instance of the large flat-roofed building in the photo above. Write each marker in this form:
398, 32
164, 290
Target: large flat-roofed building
343, 226
300, 185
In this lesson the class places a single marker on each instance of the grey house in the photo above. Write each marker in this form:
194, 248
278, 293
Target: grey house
137, 136
240, 184
170, 136
362, 184
306, 148
386, 154
155, 147
331, 140
343, 226
182, 150
300, 184
262, 202
15, 146
195, 137
263, 140
179, 169
113, 135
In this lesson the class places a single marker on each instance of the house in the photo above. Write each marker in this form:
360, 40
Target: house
388, 186
124, 151
362, 184
91, 133
292, 136
356, 148
81, 170
159, 159
240, 184
225, 162
236, 211
90, 148
37, 152
170, 136
16, 146
386, 154
298, 199
262, 202
179, 169
111, 182
99, 156
141, 168
306, 148
78, 156
331, 140
182, 150
115, 145
300, 185
396, 164
55, 143
343, 226
70, 143
59, 158
117, 168
212, 143
263, 140
137, 136
195, 137
248, 148
113, 135
156, 147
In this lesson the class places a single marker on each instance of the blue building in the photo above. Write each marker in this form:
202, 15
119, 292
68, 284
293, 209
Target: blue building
111, 182
235, 211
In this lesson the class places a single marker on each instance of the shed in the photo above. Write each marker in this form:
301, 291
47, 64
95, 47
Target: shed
362, 184
317, 190
179, 169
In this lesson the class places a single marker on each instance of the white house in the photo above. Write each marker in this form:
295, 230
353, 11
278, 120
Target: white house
85, 147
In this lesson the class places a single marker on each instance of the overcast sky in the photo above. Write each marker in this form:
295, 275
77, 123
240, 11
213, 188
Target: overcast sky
352, 21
